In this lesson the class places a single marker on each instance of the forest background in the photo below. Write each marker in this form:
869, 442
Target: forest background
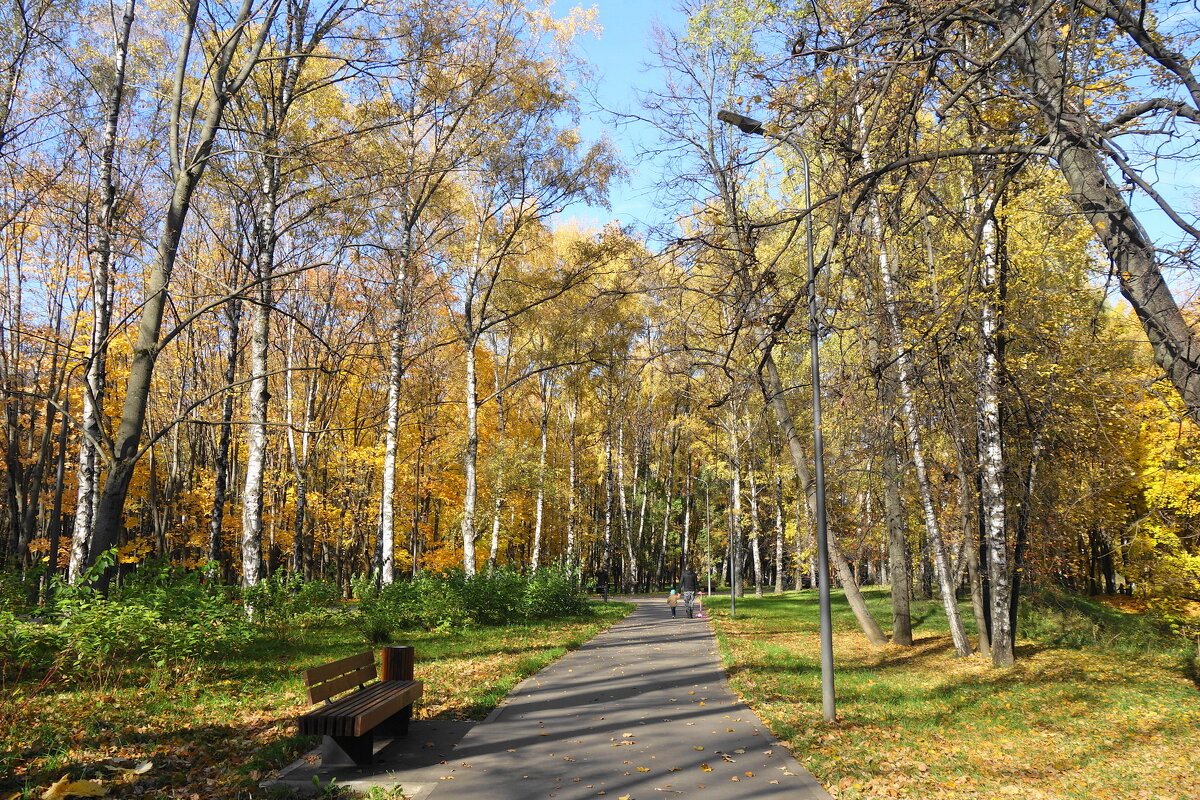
288, 293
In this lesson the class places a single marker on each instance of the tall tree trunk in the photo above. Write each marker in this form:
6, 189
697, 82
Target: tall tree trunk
908, 413
187, 173
96, 378
1129, 247
608, 501
991, 453
386, 569
779, 527
470, 458
773, 393
898, 560
543, 442
755, 531
256, 429
216, 555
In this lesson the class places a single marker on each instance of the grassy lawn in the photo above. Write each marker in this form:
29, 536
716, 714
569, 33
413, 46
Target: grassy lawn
1065, 722
214, 731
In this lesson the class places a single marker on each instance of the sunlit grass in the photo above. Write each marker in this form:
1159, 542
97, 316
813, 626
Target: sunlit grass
220, 727
919, 722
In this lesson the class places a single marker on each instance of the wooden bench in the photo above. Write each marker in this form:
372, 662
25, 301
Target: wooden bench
372, 706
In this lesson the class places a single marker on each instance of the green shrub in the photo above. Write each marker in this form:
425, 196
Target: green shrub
1069, 620
27, 647
16, 590
552, 594
159, 619
456, 600
285, 599
382, 612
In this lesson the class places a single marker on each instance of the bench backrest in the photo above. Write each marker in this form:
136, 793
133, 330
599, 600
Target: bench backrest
331, 679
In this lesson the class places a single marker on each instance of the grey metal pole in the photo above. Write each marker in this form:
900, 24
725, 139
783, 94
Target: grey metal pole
749, 125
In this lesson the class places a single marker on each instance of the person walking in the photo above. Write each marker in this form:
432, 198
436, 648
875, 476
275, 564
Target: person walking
672, 602
688, 584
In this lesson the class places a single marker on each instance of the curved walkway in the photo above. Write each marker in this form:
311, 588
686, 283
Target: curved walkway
641, 711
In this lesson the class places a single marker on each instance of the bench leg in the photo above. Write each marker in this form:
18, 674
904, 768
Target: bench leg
348, 750
396, 725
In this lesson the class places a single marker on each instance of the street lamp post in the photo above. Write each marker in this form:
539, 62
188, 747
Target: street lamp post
753, 126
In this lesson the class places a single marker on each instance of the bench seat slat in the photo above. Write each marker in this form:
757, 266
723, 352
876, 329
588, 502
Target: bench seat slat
358, 713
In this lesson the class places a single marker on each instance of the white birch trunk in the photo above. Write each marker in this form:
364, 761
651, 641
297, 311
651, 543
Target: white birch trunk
755, 532
540, 506
962, 645
88, 476
779, 523
470, 458
991, 455
572, 485
387, 511
941, 561
256, 441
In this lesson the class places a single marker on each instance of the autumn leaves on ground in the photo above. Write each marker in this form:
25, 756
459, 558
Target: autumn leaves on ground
1097, 707
215, 728
1092, 709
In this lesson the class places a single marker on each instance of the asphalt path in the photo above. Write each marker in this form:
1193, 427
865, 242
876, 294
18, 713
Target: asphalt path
642, 711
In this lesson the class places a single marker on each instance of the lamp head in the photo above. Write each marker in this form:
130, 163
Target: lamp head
743, 123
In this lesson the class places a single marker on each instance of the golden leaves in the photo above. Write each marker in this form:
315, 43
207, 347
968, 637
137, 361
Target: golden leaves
65, 787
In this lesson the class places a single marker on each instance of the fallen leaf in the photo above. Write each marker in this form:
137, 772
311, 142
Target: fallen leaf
66, 788
643, 769
748, 774
706, 767
697, 747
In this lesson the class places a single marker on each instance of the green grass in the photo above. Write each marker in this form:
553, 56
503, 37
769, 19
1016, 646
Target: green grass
216, 729
1116, 718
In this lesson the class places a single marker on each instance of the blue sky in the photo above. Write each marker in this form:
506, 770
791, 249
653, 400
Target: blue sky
618, 57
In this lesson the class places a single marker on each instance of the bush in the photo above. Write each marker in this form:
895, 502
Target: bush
27, 647
161, 618
1069, 620
285, 599
456, 600
384, 611
15, 591
551, 594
